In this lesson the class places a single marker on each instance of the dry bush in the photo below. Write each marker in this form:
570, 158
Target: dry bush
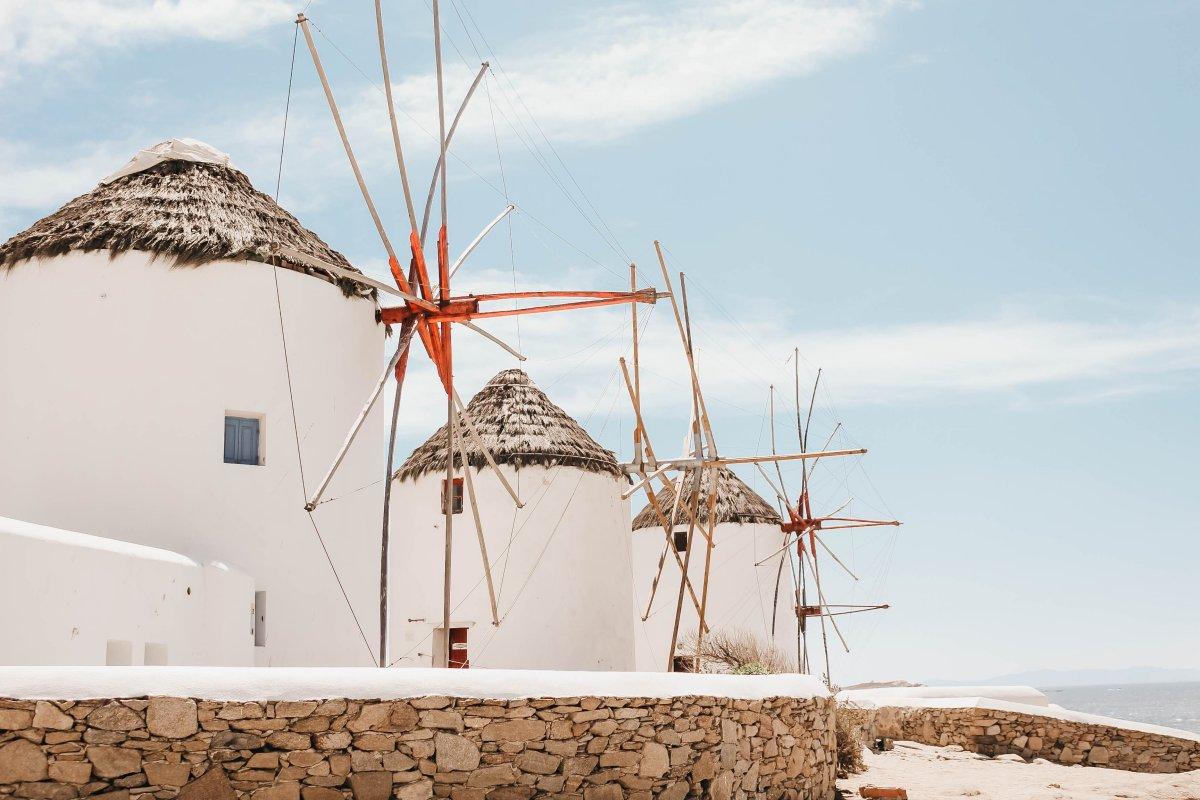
738, 651
852, 723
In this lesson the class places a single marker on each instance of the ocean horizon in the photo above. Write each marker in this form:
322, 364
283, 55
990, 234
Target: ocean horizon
1173, 705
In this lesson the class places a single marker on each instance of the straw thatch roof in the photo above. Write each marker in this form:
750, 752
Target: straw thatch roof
519, 425
736, 502
189, 212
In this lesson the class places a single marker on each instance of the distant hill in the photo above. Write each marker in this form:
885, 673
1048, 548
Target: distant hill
883, 685
1082, 677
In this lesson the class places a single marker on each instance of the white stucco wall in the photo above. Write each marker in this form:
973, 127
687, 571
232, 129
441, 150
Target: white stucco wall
740, 595
80, 592
117, 375
561, 567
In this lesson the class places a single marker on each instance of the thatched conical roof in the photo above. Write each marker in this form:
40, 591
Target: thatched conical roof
519, 425
182, 201
736, 502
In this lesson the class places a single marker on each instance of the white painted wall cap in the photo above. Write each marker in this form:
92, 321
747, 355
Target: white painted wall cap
363, 683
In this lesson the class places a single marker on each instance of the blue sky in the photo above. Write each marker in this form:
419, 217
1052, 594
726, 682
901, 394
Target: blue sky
977, 217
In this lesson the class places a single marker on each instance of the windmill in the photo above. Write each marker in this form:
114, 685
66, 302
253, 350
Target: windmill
697, 466
430, 311
801, 532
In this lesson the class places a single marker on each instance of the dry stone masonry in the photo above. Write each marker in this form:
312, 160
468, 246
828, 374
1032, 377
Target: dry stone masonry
582, 748
995, 732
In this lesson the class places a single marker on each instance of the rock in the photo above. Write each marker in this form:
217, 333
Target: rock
375, 785
321, 793
114, 717
722, 787
22, 760
263, 761
620, 758
373, 716
162, 773
47, 715
511, 793
580, 765
454, 753
113, 762
375, 742
237, 741
609, 791
290, 709
15, 719
212, 785
515, 730
1098, 755
339, 740
655, 760
46, 791
420, 790
289, 790
676, 791
404, 716
286, 740
492, 776
538, 763
171, 717
71, 771
1020, 742
446, 720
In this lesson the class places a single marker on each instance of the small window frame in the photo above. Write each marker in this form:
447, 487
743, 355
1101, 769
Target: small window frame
457, 501
680, 539
245, 421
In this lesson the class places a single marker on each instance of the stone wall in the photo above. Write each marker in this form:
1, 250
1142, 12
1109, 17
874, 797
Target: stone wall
585, 748
995, 732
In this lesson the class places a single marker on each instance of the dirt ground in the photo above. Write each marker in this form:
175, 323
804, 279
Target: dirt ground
940, 773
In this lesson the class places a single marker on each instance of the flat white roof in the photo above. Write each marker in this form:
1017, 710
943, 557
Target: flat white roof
316, 683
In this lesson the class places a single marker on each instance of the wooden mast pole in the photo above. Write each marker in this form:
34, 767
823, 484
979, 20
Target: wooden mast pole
712, 486
401, 367
447, 357
637, 376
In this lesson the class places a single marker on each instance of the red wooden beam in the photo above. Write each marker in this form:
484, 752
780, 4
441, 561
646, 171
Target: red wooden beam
465, 309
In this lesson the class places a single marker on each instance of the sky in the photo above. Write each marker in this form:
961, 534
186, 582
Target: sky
976, 218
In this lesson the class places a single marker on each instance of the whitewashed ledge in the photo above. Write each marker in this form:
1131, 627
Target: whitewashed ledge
322, 683
890, 695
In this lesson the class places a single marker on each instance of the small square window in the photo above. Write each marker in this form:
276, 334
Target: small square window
681, 537
242, 440
456, 502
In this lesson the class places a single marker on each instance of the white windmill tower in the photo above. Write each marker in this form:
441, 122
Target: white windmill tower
147, 398
546, 585
744, 593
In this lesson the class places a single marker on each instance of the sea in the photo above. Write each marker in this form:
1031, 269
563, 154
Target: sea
1174, 705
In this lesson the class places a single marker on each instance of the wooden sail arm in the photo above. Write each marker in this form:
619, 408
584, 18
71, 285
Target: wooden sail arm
803, 524
462, 309
824, 610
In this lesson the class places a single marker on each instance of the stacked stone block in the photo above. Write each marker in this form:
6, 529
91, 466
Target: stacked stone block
993, 732
582, 748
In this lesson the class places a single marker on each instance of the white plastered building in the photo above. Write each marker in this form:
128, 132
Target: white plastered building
743, 595
560, 565
146, 399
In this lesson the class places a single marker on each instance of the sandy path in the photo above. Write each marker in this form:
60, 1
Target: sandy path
938, 773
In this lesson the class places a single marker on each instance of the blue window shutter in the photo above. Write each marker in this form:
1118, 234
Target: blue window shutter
231, 440
241, 440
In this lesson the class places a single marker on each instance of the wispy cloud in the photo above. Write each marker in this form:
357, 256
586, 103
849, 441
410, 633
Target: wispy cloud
627, 67
35, 33
1023, 357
